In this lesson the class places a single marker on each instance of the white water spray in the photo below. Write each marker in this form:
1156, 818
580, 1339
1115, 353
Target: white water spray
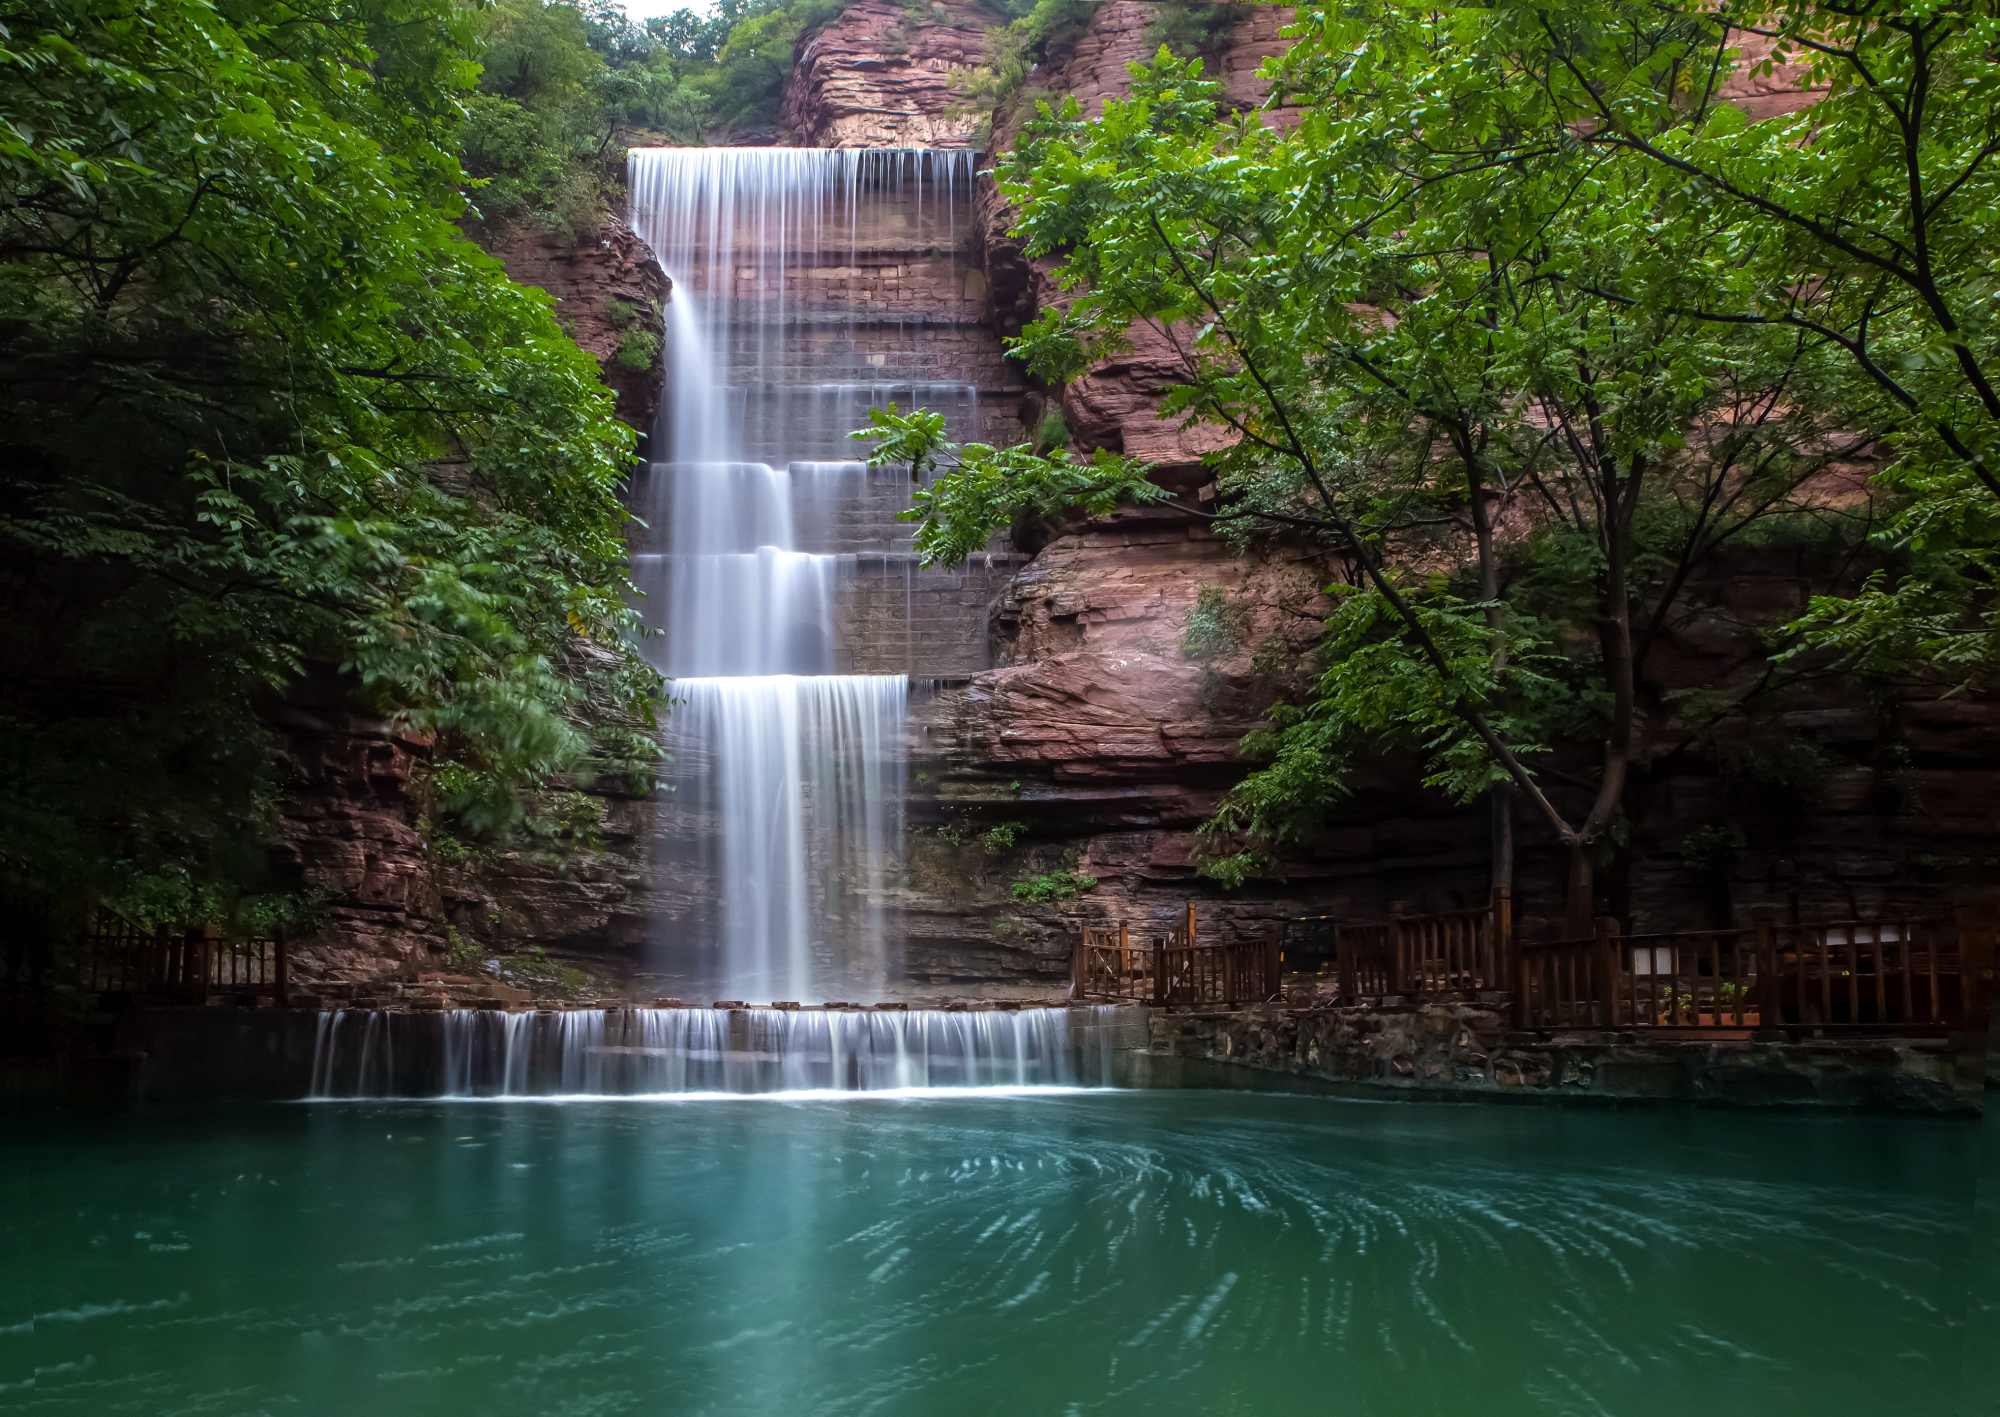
753, 510
655, 1052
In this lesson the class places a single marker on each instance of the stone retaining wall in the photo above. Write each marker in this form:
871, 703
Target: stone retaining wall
1467, 1051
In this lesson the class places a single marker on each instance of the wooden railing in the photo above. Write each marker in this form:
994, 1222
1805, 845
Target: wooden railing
1692, 979
1866, 973
1910, 974
120, 957
1108, 967
1560, 985
1913, 974
1453, 951
1176, 968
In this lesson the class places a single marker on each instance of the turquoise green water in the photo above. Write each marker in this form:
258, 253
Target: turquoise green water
1151, 1252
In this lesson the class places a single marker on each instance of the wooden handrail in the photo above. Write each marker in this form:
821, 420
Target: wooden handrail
1909, 973
1175, 969
1452, 951
1916, 973
118, 956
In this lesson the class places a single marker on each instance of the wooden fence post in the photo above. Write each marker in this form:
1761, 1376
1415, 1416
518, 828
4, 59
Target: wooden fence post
1509, 969
1274, 963
1604, 965
1399, 967
1978, 917
194, 973
157, 977
280, 965
1764, 939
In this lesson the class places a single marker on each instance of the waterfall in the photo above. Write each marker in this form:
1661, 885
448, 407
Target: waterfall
779, 334
675, 1052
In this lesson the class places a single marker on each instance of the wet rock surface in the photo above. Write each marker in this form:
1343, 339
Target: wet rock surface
348, 833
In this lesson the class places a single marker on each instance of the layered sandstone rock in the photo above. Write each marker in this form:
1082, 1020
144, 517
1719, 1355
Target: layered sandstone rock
1113, 748
1873, 836
1760, 94
349, 824
1126, 583
585, 278
348, 834
880, 76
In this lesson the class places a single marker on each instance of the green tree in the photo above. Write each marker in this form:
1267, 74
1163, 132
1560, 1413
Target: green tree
560, 91
1384, 308
269, 421
980, 487
1862, 223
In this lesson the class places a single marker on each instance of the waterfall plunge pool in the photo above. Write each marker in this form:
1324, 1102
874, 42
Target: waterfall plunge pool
1181, 1252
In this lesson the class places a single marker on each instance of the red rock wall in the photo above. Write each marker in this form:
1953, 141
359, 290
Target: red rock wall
614, 264
1113, 405
348, 833
880, 76
1113, 748
348, 823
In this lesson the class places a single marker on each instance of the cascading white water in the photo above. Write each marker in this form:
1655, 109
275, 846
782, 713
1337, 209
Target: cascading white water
752, 511
802, 771
652, 1052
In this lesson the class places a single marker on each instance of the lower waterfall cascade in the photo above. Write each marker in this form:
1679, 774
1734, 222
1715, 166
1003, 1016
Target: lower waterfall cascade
485, 1053
800, 773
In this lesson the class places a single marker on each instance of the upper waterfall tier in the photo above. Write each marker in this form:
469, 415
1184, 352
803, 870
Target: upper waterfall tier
793, 274
792, 270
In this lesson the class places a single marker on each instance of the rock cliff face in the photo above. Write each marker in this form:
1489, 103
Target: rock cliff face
396, 897
1113, 405
880, 76
350, 826
586, 279
1112, 747
348, 833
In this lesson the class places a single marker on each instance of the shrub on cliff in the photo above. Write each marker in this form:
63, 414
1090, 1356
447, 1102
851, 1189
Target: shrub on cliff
268, 418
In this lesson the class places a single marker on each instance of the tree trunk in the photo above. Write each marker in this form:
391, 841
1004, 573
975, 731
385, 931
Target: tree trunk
1582, 892
1489, 591
1619, 496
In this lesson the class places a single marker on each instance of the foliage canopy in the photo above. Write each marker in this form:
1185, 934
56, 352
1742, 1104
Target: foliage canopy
1523, 324
274, 430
